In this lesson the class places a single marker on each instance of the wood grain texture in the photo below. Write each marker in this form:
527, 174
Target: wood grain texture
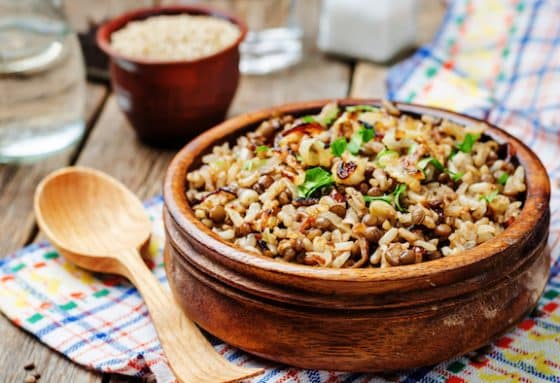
356, 319
18, 182
17, 185
113, 148
75, 207
142, 170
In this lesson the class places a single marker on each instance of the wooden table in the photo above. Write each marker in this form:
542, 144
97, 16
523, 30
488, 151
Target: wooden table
110, 145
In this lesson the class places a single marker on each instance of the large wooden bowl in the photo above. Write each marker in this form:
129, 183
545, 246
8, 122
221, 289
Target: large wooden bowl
355, 319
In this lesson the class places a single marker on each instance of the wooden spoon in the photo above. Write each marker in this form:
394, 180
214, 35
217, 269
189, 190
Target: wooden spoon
97, 223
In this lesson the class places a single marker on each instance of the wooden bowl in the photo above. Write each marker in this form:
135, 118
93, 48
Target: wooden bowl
168, 102
355, 319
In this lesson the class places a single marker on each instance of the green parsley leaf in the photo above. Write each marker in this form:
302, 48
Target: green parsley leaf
399, 190
254, 163
359, 138
393, 198
261, 149
338, 146
468, 142
454, 151
362, 108
315, 178
455, 176
355, 144
385, 198
490, 197
502, 179
384, 155
331, 116
307, 119
423, 163
367, 131
412, 148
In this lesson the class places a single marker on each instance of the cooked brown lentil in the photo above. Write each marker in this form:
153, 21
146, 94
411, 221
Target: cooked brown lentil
218, 214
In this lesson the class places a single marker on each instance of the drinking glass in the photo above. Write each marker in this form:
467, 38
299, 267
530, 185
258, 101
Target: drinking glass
42, 81
274, 38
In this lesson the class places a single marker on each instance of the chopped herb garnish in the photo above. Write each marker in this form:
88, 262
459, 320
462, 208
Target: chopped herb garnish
261, 149
254, 163
299, 157
454, 151
384, 198
502, 179
331, 116
307, 119
399, 190
381, 156
393, 198
355, 144
468, 142
490, 197
315, 178
362, 108
455, 176
412, 148
422, 164
359, 138
369, 130
338, 146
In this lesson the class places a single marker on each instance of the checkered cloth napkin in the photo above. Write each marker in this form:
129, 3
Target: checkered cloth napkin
496, 59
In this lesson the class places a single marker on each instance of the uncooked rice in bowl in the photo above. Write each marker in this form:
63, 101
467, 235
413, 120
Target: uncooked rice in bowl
174, 37
358, 186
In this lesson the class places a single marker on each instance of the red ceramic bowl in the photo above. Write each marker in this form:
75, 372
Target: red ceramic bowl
168, 102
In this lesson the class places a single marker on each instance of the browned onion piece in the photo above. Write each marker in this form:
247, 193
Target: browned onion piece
305, 128
219, 190
345, 169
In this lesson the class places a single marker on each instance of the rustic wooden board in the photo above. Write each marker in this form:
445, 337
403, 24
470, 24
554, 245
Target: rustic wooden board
142, 169
113, 147
17, 185
18, 182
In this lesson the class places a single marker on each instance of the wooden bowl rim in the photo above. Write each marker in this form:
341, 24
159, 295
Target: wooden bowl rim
536, 203
104, 32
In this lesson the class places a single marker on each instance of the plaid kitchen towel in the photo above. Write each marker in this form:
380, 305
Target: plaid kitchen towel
495, 59
100, 322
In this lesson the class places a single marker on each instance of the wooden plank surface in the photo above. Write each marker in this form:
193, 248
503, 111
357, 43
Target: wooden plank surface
18, 182
113, 147
315, 77
17, 185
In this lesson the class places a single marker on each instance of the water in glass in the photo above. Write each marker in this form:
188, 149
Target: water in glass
274, 38
42, 81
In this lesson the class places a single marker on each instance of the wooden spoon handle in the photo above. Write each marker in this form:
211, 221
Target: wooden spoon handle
191, 356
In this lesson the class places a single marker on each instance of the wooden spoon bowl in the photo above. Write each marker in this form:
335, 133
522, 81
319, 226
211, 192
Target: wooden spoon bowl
355, 319
97, 223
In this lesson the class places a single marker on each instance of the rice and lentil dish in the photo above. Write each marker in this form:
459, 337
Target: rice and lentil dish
174, 37
359, 186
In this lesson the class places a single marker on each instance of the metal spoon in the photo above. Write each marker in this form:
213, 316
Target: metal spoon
97, 223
